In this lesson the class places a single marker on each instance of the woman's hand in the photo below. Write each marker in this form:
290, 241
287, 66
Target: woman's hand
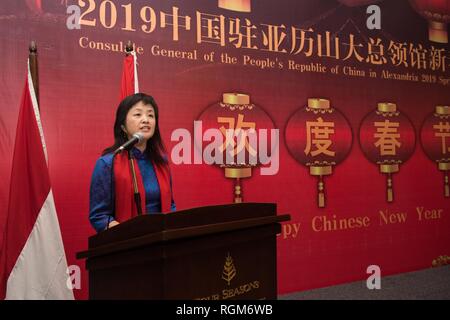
113, 224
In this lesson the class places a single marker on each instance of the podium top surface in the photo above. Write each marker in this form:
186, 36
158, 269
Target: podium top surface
185, 223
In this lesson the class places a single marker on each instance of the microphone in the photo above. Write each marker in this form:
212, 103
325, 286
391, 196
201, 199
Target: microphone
137, 137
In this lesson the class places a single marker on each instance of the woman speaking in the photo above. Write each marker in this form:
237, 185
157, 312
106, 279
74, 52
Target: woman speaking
112, 191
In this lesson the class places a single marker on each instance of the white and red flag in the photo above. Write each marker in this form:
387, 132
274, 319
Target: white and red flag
130, 83
33, 263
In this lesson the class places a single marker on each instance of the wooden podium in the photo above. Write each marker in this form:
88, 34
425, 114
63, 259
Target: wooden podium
213, 253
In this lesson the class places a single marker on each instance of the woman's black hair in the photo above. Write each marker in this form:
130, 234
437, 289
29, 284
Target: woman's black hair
155, 149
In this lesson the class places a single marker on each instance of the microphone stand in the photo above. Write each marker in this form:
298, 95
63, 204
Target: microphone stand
137, 195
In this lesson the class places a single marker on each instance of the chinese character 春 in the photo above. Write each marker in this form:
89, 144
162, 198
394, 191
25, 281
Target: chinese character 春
387, 135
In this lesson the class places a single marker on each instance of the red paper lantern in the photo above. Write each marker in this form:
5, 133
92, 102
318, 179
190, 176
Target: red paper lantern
319, 137
357, 3
435, 140
237, 114
387, 139
437, 12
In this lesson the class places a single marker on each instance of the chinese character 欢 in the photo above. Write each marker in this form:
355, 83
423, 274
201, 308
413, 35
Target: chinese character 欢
238, 129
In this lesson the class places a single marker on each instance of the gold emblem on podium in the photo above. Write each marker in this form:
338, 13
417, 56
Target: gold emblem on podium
229, 270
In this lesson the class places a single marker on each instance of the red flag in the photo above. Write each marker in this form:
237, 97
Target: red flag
130, 83
34, 5
33, 263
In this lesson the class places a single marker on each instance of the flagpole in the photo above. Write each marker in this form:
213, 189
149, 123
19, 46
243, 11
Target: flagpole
137, 195
33, 264
34, 68
128, 48
129, 51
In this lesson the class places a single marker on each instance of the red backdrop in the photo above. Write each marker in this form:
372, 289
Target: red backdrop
79, 89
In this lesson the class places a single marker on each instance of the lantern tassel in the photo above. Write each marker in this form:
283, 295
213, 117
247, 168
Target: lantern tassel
238, 174
390, 191
446, 185
237, 191
321, 195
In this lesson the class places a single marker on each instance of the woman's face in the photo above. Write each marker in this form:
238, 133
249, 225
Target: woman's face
141, 118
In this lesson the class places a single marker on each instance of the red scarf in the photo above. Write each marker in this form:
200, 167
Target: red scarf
125, 207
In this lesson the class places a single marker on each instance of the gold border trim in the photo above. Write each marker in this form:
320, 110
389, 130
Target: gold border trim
318, 103
443, 110
389, 168
320, 171
387, 107
236, 99
236, 173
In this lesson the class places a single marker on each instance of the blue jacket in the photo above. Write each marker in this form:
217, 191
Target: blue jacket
101, 197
